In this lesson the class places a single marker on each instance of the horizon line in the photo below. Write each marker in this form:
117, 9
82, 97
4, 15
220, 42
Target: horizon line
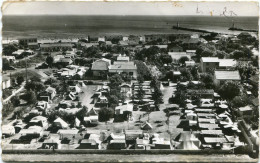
122, 15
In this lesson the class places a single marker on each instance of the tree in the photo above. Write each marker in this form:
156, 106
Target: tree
140, 79
49, 61
229, 90
8, 50
50, 81
186, 75
113, 100
240, 101
183, 59
15, 101
246, 70
76, 77
237, 54
30, 97
80, 114
105, 114
115, 81
140, 93
166, 58
19, 80
6, 64
142, 70
221, 54
208, 80
34, 86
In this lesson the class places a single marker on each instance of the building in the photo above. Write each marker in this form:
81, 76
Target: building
175, 48
225, 64
91, 119
49, 93
221, 76
209, 63
117, 144
11, 59
56, 47
89, 144
33, 45
245, 112
177, 55
100, 67
28, 40
191, 43
212, 63
190, 63
123, 58
124, 68
6, 82
123, 112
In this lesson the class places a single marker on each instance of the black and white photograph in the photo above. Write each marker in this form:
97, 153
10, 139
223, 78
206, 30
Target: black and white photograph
114, 81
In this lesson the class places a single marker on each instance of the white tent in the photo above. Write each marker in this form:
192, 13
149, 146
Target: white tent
61, 123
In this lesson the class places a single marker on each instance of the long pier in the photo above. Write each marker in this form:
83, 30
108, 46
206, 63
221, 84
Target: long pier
192, 29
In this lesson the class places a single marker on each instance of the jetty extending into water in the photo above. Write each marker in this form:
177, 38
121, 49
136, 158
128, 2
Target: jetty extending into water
192, 29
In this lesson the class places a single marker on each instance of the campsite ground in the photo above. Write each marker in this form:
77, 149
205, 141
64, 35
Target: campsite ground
157, 119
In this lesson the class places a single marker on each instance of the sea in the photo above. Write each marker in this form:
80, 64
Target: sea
53, 26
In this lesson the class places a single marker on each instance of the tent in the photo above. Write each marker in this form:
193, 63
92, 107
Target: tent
60, 123
146, 126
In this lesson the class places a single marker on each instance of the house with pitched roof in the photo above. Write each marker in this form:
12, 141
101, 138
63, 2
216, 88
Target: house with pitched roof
124, 68
100, 67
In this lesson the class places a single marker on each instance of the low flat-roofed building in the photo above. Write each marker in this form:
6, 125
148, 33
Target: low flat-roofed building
221, 76
227, 63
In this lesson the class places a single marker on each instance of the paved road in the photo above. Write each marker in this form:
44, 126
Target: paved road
126, 158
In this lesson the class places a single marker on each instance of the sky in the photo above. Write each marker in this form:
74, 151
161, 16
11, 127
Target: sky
131, 8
